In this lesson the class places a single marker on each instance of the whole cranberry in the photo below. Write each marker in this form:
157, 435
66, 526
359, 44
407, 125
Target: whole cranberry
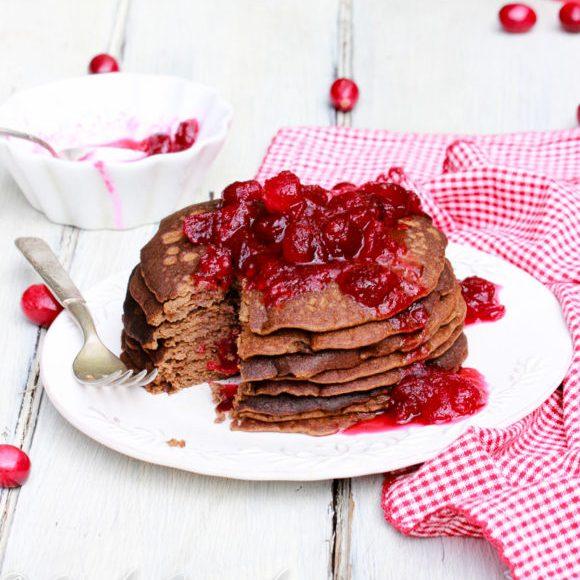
270, 229
39, 305
342, 237
578, 114
199, 227
185, 135
367, 283
281, 191
344, 95
570, 16
517, 18
103, 63
300, 243
156, 144
242, 191
14, 466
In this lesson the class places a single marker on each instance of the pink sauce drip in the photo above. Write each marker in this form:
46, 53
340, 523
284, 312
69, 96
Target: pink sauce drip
113, 194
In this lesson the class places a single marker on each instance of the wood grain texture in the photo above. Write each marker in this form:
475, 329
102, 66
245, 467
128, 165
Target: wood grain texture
90, 513
87, 501
448, 67
33, 53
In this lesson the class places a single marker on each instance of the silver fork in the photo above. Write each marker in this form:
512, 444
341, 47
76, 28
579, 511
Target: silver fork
95, 364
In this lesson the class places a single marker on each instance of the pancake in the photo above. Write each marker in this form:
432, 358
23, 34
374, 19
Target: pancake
289, 341
320, 415
308, 364
330, 309
342, 366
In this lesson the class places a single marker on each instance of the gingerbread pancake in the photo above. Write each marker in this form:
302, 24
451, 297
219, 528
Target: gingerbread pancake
450, 359
317, 415
419, 271
289, 341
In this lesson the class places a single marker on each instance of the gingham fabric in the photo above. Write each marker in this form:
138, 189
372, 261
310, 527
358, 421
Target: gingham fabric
516, 196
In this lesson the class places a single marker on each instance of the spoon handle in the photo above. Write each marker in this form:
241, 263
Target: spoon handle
45, 262
28, 137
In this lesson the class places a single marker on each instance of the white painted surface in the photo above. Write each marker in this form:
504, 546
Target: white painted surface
90, 513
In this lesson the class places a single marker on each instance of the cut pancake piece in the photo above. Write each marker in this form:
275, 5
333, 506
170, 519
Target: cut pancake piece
289, 341
418, 271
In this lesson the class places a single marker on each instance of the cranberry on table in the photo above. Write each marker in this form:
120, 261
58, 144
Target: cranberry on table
103, 63
344, 95
14, 466
578, 114
570, 16
39, 305
517, 17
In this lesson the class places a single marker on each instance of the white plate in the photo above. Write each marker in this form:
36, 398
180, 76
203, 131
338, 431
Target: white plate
523, 357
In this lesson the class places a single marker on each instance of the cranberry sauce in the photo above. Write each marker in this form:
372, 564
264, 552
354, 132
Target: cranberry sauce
429, 396
227, 362
183, 138
286, 238
481, 297
226, 395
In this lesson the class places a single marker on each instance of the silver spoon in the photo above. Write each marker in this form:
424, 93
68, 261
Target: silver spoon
68, 154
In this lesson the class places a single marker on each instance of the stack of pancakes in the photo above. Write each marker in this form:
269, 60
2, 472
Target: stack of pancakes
323, 361
316, 363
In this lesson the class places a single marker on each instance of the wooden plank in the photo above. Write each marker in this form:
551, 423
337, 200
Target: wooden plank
33, 53
379, 552
102, 515
451, 69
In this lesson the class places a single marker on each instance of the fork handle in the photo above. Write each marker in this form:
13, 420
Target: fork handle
45, 262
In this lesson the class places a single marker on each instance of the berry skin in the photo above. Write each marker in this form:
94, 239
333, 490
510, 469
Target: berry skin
185, 135
242, 191
39, 305
344, 95
570, 16
157, 143
517, 18
14, 466
103, 63
299, 244
281, 191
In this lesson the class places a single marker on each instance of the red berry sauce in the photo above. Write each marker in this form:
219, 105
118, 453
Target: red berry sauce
158, 143
14, 466
226, 396
286, 238
428, 396
227, 362
39, 305
481, 297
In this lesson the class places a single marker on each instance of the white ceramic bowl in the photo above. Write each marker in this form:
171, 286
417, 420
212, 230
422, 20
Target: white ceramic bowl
100, 109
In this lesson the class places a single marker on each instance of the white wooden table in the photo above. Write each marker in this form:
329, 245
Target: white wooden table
90, 513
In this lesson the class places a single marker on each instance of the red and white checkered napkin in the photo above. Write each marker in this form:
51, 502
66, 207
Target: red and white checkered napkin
516, 196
